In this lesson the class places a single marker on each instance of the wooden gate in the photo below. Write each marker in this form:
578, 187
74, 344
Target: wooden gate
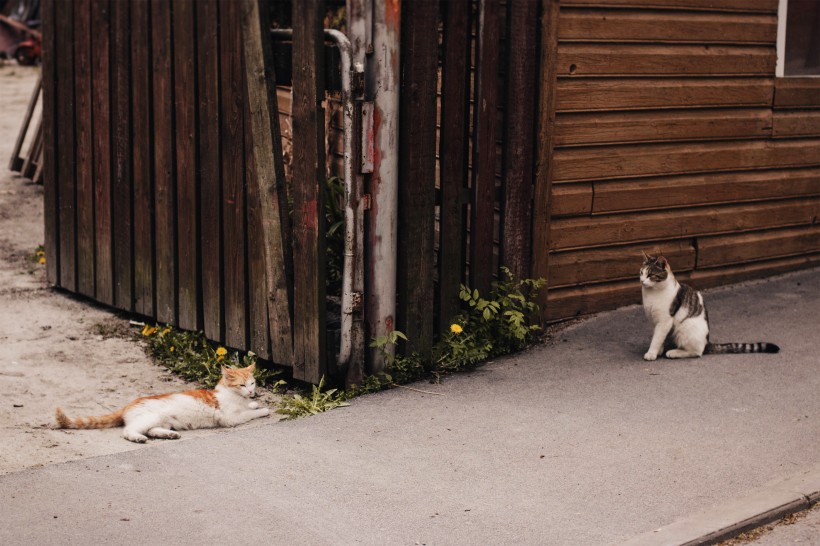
152, 204
474, 151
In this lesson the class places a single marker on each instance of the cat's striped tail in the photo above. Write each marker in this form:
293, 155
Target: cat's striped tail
735, 348
103, 421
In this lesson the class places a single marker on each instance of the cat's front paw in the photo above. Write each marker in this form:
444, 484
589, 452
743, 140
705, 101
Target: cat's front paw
253, 405
650, 355
264, 412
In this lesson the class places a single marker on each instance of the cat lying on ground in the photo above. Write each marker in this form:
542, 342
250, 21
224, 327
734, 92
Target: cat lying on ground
679, 316
160, 416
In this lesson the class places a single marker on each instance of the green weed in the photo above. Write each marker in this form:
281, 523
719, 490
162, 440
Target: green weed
294, 406
192, 357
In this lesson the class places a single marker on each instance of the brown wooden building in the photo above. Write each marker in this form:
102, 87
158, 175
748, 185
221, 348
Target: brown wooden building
672, 132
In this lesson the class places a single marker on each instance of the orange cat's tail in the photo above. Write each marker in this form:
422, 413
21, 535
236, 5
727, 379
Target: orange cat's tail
103, 421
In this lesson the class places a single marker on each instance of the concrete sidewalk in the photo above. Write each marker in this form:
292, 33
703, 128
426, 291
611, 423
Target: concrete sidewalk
576, 442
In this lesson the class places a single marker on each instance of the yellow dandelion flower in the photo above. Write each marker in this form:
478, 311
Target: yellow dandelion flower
164, 332
171, 349
42, 261
456, 328
222, 351
149, 330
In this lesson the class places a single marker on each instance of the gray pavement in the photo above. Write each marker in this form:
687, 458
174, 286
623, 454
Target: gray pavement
578, 441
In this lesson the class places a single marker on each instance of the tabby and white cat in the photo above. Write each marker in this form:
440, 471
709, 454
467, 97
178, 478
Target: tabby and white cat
679, 316
160, 416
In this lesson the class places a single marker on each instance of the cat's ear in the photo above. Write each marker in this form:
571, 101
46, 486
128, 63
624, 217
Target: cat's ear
225, 372
252, 367
662, 261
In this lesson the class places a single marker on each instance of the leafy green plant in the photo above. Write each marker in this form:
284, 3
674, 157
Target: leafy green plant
502, 323
191, 356
293, 406
459, 350
485, 329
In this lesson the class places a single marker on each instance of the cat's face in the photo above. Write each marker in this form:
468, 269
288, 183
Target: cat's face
240, 379
655, 270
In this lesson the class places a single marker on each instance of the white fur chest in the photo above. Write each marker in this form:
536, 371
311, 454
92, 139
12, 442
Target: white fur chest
656, 303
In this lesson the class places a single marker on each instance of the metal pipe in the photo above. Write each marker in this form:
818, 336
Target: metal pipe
382, 73
352, 270
352, 273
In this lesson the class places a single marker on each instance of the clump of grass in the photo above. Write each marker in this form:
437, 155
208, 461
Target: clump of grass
191, 356
319, 401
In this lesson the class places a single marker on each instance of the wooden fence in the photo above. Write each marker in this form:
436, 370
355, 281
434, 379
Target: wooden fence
151, 200
479, 94
151, 197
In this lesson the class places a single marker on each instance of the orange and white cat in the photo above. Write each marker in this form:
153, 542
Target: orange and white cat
160, 416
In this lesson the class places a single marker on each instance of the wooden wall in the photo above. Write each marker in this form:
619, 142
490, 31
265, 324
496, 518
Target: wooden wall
673, 134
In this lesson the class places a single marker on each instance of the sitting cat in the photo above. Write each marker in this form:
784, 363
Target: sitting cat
679, 317
160, 416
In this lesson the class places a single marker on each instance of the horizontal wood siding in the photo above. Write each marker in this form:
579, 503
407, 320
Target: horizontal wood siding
673, 135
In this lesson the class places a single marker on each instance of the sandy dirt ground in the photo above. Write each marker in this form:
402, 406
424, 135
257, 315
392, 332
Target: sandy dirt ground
56, 349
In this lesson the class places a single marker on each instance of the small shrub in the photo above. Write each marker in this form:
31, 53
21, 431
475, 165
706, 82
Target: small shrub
487, 328
501, 324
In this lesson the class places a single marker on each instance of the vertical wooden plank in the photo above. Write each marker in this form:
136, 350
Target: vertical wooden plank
207, 11
101, 100
163, 135
34, 150
64, 169
267, 209
85, 144
453, 149
519, 144
209, 168
308, 192
547, 55
484, 153
257, 292
233, 154
417, 173
49, 161
122, 152
143, 178
16, 162
185, 61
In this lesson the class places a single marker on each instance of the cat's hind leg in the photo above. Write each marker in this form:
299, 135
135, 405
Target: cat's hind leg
163, 433
680, 353
136, 429
689, 339
133, 435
